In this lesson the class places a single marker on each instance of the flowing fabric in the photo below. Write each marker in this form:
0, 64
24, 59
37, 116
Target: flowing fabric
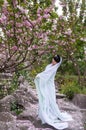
48, 110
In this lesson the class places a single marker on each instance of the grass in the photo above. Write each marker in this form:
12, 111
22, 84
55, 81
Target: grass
69, 86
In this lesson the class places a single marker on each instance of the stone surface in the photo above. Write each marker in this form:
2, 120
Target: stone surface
80, 100
29, 114
5, 103
59, 95
25, 125
7, 121
8, 126
28, 119
6, 117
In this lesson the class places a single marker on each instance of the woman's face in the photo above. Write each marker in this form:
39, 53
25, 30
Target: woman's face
53, 62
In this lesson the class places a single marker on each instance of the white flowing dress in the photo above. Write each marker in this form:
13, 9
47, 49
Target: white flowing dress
48, 110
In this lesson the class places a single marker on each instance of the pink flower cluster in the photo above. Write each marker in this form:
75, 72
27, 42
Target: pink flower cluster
14, 48
68, 32
15, 2
62, 4
3, 19
25, 11
27, 23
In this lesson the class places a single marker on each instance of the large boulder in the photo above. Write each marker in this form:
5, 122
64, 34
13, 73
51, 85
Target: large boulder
27, 98
5, 103
80, 100
7, 121
25, 95
8, 126
6, 117
74, 111
25, 125
29, 114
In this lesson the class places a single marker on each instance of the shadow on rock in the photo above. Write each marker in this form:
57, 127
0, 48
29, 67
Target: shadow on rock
38, 124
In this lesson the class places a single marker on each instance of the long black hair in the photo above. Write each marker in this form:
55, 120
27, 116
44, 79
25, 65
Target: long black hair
57, 58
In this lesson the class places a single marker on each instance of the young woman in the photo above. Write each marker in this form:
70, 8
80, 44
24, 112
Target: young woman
48, 109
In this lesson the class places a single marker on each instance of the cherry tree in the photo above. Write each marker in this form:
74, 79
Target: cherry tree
25, 28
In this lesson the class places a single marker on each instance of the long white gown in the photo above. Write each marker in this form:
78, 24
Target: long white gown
48, 110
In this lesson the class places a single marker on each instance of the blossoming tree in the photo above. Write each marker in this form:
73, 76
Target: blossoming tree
25, 26
31, 29
71, 38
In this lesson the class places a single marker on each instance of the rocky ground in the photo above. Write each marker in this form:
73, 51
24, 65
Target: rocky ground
26, 99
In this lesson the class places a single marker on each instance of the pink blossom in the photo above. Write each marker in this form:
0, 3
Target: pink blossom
8, 33
20, 41
14, 48
34, 23
47, 10
27, 24
62, 4
40, 52
73, 40
50, 47
11, 35
16, 15
11, 30
10, 22
46, 16
39, 10
39, 19
83, 39
61, 17
38, 15
3, 19
54, 50
47, 33
19, 30
34, 47
19, 25
29, 48
4, 8
22, 9
39, 35
15, 2
68, 32
28, 42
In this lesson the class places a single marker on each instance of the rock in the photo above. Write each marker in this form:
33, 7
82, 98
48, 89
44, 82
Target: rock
23, 84
22, 98
83, 111
8, 126
5, 103
25, 125
27, 97
6, 117
5, 75
21, 79
59, 95
66, 105
7, 121
29, 114
74, 111
80, 100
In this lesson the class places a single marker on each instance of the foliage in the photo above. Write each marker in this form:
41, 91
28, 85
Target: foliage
33, 31
15, 107
14, 83
25, 27
27, 76
68, 85
71, 40
69, 89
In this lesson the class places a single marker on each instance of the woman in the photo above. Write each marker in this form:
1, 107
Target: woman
48, 109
